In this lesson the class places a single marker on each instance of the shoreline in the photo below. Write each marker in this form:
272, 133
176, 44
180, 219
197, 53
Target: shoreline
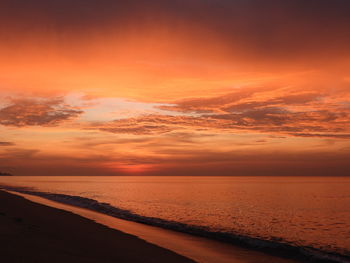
32, 232
199, 249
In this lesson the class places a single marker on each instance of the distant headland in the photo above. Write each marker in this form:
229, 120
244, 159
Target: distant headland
5, 174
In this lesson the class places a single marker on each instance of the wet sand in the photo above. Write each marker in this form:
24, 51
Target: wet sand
31, 232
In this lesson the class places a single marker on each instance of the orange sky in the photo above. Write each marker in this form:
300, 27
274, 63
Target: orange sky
174, 87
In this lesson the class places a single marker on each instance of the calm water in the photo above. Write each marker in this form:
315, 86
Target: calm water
311, 211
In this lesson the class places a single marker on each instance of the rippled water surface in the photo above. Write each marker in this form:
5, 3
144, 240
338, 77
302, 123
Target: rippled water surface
304, 211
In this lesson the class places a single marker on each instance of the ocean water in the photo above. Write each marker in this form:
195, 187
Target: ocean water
296, 214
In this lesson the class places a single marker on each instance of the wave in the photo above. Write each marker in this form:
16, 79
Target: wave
275, 247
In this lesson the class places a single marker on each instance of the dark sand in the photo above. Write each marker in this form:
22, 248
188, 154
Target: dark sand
30, 232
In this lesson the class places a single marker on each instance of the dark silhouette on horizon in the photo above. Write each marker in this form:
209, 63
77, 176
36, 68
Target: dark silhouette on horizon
5, 174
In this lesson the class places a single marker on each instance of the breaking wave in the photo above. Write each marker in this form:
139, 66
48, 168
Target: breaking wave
276, 247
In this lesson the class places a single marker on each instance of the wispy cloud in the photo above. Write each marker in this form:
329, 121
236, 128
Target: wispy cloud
291, 112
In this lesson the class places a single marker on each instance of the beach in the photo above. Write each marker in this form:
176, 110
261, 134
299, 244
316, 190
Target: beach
31, 232
198, 228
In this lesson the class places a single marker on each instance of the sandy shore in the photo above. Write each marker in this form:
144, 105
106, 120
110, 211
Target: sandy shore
30, 232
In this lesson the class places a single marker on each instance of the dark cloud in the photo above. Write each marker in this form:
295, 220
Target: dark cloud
284, 28
41, 112
7, 144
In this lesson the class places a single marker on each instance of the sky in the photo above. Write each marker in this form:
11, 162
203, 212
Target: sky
181, 87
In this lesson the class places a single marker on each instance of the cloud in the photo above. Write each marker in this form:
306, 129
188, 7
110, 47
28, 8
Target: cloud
311, 25
213, 104
323, 135
287, 111
37, 112
18, 154
246, 98
169, 159
267, 120
286, 100
137, 126
7, 144
151, 124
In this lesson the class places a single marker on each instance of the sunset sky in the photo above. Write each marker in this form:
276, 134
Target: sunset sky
181, 87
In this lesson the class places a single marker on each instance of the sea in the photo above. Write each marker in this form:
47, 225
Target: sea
303, 218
